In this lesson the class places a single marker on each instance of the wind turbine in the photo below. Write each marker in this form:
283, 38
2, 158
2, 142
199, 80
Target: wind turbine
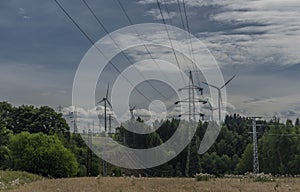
211, 108
219, 94
105, 101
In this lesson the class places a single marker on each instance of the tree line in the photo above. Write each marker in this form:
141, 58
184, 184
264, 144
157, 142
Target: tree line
38, 140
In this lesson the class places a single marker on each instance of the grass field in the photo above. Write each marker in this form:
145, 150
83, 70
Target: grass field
128, 184
15, 179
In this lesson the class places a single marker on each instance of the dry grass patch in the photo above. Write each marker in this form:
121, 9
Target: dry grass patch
128, 184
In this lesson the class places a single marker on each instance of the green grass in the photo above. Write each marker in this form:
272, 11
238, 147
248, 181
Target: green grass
203, 177
14, 179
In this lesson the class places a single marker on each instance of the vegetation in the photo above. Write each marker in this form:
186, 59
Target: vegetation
131, 184
14, 179
38, 140
203, 177
4, 140
41, 154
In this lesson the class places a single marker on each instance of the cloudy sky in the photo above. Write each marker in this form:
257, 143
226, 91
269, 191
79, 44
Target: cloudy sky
259, 40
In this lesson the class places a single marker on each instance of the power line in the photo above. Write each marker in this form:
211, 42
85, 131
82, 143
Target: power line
93, 44
131, 23
168, 12
189, 33
181, 16
188, 36
282, 135
183, 25
160, 10
170, 18
107, 32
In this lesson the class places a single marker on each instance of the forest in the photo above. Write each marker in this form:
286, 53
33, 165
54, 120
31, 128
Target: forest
38, 140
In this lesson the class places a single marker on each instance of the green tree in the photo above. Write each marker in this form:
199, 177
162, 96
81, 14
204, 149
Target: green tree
246, 162
4, 139
278, 149
42, 154
32, 120
6, 111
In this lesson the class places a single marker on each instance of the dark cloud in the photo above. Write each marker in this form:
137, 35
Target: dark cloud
41, 48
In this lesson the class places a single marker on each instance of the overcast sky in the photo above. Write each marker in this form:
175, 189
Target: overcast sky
259, 40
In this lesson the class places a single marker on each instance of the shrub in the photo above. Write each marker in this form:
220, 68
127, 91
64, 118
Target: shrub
203, 177
260, 177
42, 154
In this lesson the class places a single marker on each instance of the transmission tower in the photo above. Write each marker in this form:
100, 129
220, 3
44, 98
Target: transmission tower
255, 148
89, 151
60, 109
191, 113
74, 115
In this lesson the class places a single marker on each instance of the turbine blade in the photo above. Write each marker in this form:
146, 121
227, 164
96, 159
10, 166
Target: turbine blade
101, 101
228, 81
109, 103
107, 91
210, 85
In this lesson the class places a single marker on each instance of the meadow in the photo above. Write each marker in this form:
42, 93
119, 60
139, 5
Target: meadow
134, 184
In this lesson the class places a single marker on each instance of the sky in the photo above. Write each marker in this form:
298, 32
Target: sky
259, 40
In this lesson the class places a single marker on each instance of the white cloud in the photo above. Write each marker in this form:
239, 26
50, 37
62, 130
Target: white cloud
86, 118
23, 13
155, 13
272, 28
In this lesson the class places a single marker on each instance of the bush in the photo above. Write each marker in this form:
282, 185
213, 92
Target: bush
203, 177
42, 154
260, 177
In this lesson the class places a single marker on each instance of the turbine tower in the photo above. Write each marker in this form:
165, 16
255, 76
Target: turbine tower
105, 101
131, 109
212, 109
219, 94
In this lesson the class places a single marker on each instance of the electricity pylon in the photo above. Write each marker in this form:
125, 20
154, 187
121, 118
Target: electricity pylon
89, 151
191, 113
255, 148
74, 121
60, 109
